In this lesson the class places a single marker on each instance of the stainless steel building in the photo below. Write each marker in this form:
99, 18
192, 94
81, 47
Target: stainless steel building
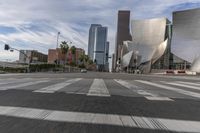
186, 36
150, 41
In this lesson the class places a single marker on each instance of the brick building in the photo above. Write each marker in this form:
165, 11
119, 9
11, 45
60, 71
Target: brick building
56, 54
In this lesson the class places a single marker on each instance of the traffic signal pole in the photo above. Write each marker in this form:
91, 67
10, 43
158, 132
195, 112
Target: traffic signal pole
7, 47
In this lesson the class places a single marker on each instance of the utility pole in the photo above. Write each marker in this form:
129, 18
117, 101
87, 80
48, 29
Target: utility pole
57, 50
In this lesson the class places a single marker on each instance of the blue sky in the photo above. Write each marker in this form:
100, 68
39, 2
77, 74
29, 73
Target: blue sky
27, 24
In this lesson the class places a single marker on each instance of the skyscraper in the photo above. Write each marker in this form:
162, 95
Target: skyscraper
123, 32
91, 40
98, 47
100, 42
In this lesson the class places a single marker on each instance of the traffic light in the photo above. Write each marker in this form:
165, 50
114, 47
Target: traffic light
7, 47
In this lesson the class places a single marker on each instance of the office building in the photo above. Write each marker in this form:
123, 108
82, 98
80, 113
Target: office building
123, 34
32, 56
91, 40
100, 47
186, 38
56, 56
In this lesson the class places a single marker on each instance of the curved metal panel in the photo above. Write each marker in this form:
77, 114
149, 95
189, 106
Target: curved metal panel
196, 65
126, 59
186, 34
159, 51
149, 32
147, 36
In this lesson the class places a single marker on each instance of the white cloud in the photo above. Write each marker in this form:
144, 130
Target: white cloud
71, 18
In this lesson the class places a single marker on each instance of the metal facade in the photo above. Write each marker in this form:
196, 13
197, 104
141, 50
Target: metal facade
186, 34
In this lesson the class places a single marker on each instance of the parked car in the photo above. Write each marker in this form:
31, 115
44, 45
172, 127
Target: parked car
83, 71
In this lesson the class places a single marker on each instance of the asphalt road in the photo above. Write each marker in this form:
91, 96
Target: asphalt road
99, 103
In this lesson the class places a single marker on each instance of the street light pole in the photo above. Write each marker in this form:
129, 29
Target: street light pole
58, 34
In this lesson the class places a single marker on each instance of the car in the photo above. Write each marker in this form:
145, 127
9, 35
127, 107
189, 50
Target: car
83, 71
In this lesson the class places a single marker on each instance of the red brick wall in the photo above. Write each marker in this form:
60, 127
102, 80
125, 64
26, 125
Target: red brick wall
54, 54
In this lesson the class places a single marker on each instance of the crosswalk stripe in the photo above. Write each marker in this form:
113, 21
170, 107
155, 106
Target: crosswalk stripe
189, 93
22, 85
163, 124
189, 83
77, 93
14, 81
98, 88
56, 87
183, 85
138, 90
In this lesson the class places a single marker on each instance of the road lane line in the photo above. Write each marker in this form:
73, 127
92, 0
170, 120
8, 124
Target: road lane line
22, 85
140, 91
163, 124
56, 87
98, 88
189, 93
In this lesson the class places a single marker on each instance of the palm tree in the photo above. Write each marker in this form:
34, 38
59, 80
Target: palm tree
64, 48
73, 51
82, 58
87, 58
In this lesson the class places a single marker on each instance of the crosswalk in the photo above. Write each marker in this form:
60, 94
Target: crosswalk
147, 95
164, 124
150, 90
98, 88
56, 87
185, 92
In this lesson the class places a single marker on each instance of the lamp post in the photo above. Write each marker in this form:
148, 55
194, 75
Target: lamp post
58, 34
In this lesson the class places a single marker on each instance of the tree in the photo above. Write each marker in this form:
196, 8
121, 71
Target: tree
90, 62
82, 58
64, 49
73, 51
87, 58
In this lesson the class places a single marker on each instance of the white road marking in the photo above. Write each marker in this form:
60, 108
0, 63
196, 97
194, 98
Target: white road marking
98, 88
22, 85
56, 87
174, 125
8, 81
189, 93
189, 83
78, 93
138, 90
183, 85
